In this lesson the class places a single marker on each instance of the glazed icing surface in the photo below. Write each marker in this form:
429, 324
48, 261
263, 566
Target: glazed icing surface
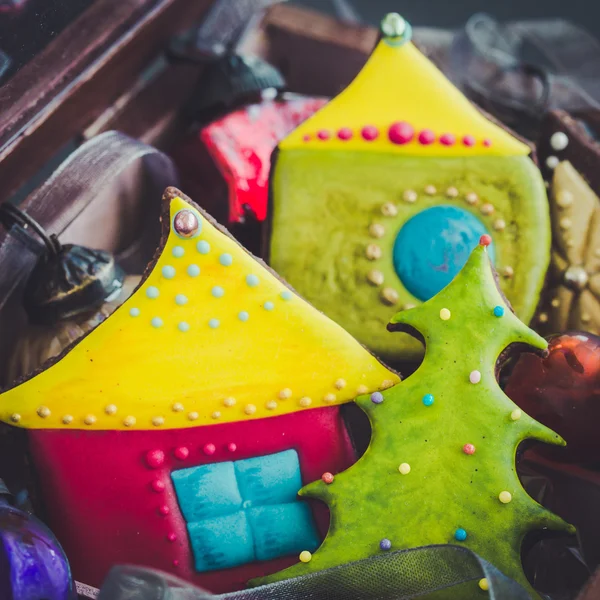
210, 336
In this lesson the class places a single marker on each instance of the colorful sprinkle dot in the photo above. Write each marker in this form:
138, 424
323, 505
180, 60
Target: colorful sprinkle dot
484, 585
404, 468
485, 240
158, 486
134, 312
447, 139
156, 322
345, 134
468, 140
168, 272
305, 402
43, 411
460, 535
218, 291
306, 138
129, 421
183, 326
177, 407
516, 414
305, 556
214, 323
285, 393
323, 134
428, 399
249, 409
226, 259
369, 133
445, 314
505, 497
155, 458
216, 414
268, 305
229, 402
469, 449
252, 280
329, 398
193, 270
203, 247
164, 510
286, 295
192, 416
498, 311
385, 544
209, 449
178, 251
89, 420
376, 397
152, 292
181, 453
327, 478
232, 447
340, 384
271, 405
400, 133
474, 376
487, 143
158, 421
67, 419
181, 300
243, 316
171, 537
426, 137
110, 409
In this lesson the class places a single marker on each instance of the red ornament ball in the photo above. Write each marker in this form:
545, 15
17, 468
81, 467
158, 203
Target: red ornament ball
426, 137
345, 133
485, 240
370, 133
155, 458
209, 449
447, 139
401, 133
469, 449
562, 391
158, 486
327, 478
181, 453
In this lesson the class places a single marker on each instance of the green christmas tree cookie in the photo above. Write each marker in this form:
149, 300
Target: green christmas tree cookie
440, 468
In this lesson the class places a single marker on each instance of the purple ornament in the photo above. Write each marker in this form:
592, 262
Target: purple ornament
376, 397
32, 563
385, 544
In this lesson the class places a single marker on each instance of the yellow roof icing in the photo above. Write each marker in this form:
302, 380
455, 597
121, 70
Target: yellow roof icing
399, 84
164, 363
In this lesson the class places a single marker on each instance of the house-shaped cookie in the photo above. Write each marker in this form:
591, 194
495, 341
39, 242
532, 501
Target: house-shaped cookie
177, 434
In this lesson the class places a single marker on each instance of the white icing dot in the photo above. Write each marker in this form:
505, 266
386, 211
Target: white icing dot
552, 162
193, 270
168, 272
180, 299
152, 292
559, 140
475, 377
243, 316
183, 326
268, 305
252, 280
134, 312
214, 323
178, 251
203, 247
156, 322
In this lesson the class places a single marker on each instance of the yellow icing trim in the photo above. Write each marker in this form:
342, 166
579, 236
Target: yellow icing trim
398, 83
128, 374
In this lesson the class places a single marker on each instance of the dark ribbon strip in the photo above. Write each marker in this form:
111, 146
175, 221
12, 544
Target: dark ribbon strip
401, 575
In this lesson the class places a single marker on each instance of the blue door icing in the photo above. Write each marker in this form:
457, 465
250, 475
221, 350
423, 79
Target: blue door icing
240, 512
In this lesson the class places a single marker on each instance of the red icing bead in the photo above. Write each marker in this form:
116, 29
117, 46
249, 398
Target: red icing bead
232, 447
158, 485
370, 133
487, 143
447, 139
485, 240
400, 133
469, 449
164, 510
468, 140
175, 563
155, 458
345, 133
209, 449
172, 537
306, 138
323, 134
181, 453
426, 137
327, 478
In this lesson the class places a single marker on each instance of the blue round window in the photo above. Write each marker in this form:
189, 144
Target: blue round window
433, 246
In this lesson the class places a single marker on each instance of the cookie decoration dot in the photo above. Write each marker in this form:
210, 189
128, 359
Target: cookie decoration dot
226, 259
134, 312
152, 292
505, 497
377, 398
168, 272
203, 247
469, 449
460, 535
559, 141
404, 469
305, 556
252, 280
498, 311
186, 224
428, 399
445, 314
475, 377
327, 478
385, 544
193, 270
484, 585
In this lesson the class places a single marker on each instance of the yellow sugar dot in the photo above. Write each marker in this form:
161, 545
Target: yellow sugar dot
340, 384
362, 389
177, 407
285, 393
329, 397
305, 556
484, 585
229, 402
386, 383
192, 416
404, 468
271, 405
158, 421
67, 419
516, 414
250, 409
304, 402
43, 411
445, 314
15, 417
89, 420
505, 497
129, 421
111, 409
216, 415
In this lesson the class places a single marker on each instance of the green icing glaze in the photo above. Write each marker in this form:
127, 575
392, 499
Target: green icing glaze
446, 488
325, 201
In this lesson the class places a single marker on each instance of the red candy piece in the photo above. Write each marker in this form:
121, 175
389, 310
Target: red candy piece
181, 453
485, 240
447, 139
155, 458
487, 143
172, 537
345, 133
426, 137
323, 134
232, 447
401, 133
370, 133
158, 485
327, 478
164, 510
209, 449
469, 449
468, 140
